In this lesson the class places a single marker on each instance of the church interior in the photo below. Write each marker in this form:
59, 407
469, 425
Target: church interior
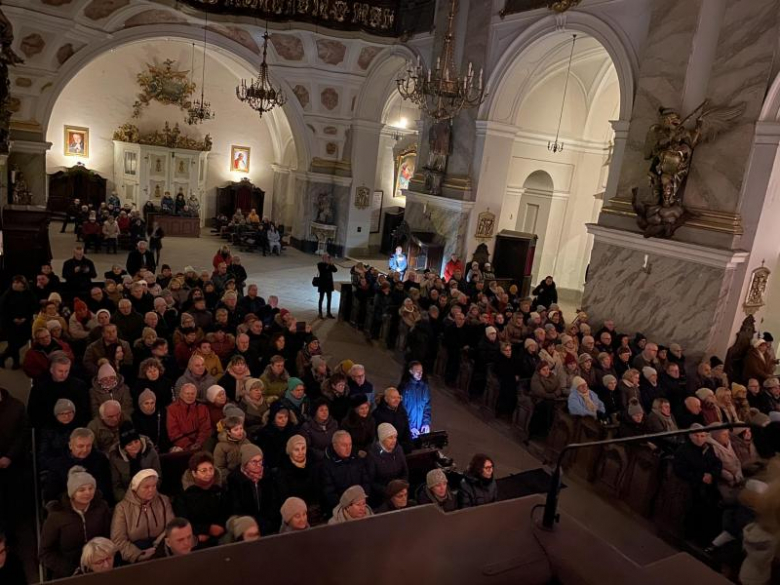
493, 275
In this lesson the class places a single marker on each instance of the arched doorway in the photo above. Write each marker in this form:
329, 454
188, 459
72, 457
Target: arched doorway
564, 189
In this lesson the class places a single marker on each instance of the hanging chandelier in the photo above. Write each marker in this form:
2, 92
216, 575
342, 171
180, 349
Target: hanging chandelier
259, 93
440, 93
556, 146
200, 111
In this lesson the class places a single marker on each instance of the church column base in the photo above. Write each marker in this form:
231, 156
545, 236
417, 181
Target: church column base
670, 291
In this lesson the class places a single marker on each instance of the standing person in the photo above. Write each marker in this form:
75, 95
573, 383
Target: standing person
398, 262
155, 234
453, 264
325, 281
416, 396
139, 258
78, 272
17, 308
545, 293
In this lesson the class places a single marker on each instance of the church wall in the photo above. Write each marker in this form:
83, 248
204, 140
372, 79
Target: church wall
101, 98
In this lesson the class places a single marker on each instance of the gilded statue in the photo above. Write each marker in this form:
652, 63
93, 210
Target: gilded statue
669, 145
7, 58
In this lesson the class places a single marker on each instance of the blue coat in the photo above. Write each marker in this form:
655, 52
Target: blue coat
577, 404
398, 263
417, 401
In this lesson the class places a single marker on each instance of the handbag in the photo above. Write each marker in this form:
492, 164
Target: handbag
315, 281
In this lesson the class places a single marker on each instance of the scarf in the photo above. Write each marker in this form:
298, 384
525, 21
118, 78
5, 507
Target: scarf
204, 485
666, 421
255, 474
240, 382
589, 404
296, 401
256, 404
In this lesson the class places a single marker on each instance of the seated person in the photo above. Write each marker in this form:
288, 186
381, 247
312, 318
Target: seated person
97, 556
131, 454
106, 425
251, 492
396, 497
386, 461
227, 453
81, 452
353, 505
295, 515
188, 423
583, 401
436, 490
340, 470
204, 501
478, 486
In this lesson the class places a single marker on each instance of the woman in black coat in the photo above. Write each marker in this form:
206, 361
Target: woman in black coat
545, 293
325, 283
17, 309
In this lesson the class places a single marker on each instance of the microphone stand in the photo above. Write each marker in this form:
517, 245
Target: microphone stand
551, 515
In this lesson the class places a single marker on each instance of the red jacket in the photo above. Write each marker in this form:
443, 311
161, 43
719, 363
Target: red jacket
36, 362
188, 424
450, 268
182, 352
218, 259
91, 228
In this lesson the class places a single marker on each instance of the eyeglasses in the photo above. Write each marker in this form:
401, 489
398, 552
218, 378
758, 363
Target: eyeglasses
255, 462
487, 468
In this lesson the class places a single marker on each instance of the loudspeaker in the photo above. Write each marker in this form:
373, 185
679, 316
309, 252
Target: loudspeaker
513, 258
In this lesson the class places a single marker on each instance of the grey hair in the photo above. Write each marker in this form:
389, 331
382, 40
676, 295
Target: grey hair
82, 433
97, 547
340, 434
102, 408
59, 357
357, 368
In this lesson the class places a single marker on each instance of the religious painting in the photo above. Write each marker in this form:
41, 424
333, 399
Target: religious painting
362, 197
404, 170
159, 165
486, 224
164, 84
76, 141
376, 211
182, 168
157, 189
239, 159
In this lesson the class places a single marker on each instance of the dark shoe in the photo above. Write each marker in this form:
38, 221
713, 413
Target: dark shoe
331, 316
321, 317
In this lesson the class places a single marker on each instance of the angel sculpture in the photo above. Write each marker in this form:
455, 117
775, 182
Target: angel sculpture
669, 146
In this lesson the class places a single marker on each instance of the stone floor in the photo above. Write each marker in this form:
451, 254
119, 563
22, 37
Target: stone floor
289, 277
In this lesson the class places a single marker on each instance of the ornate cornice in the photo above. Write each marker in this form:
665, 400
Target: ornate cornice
725, 222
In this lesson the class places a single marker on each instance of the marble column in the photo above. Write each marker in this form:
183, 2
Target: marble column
620, 141
365, 154
29, 156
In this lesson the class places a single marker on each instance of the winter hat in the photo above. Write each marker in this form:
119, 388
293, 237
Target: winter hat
317, 361
758, 342
231, 410
346, 365
577, 382
608, 379
647, 371
212, 391
55, 297
768, 337
106, 311
64, 405
189, 269
357, 400
602, 356
293, 383
715, 361
569, 359
395, 487
435, 477
529, 342
53, 324
566, 339
585, 357
351, 495
385, 430
106, 371
292, 442
146, 395
231, 422
79, 305
490, 329
291, 507
135, 483
675, 347
535, 315
248, 452
276, 408
634, 407
696, 427
758, 418
704, 393
77, 477
771, 382
240, 524
127, 434
283, 312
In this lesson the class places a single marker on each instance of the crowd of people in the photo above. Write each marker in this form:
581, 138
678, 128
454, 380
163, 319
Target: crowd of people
173, 411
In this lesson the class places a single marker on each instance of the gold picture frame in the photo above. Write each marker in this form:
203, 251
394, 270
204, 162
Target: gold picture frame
405, 164
76, 141
240, 158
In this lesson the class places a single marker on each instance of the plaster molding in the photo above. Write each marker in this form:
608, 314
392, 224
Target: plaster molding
436, 201
30, 146
323, 178
704, 255
620, 128
370, 125
767, 133
388, 131
575, 144
281, 169
554, 195
488, 128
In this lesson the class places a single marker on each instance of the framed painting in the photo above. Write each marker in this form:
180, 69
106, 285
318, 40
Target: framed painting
239, 158
404, 170
76, 141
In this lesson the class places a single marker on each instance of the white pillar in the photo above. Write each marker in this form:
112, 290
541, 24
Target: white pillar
620, 127
365, 153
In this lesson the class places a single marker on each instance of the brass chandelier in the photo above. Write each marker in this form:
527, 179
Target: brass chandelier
259, 93
200, 111
440, 93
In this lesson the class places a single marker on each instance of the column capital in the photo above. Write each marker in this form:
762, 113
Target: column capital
620, 127
30, 146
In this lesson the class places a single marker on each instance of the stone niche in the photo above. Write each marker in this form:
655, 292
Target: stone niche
306, 196
449, 225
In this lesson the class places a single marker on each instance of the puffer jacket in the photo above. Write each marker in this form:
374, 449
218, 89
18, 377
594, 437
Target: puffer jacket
123, 470
120, 393
383, 467
188, 424
417, 402
475, 491
136, 521
275, 386
319, 436
227, 453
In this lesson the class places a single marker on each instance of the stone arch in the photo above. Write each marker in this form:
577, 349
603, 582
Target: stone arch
509, 68
288, 120
380, 83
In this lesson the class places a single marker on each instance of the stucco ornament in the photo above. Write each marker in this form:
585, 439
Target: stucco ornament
757, 290
362, 197
164, 84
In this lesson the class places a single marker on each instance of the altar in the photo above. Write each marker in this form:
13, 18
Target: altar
176, 226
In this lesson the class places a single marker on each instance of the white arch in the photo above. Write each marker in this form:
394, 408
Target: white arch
770, 111
510, 62
290, 118
380, 83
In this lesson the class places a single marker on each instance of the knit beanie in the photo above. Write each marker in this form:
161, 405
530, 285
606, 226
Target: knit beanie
569, 359
231, 422
230, 410
53, 324
212, 391
146, 395
357, 400
127, 434
489, 330
602, 356
106, 311
715, 361
704, 393
77, 477
647, 371
292, 442
135, 483
395, 487
351, 495
106, 371
317, 361
291, 507
676, 347
55, 297
634, 407
293, 383
577, 382
346, 365
609, 378
771, 382
64, 405
237, 525
757, 342
585, 357
385, 430
79, 305
435, 477
566, 339
529, 342
248, 452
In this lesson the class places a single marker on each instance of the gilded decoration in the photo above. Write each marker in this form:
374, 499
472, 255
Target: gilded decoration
362, 197
167, 137
486, 225
164, 84
757, 290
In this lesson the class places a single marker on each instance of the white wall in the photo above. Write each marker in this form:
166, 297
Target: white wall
101, 98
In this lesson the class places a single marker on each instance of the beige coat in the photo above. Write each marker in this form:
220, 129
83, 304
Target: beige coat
134, 521
227, 453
